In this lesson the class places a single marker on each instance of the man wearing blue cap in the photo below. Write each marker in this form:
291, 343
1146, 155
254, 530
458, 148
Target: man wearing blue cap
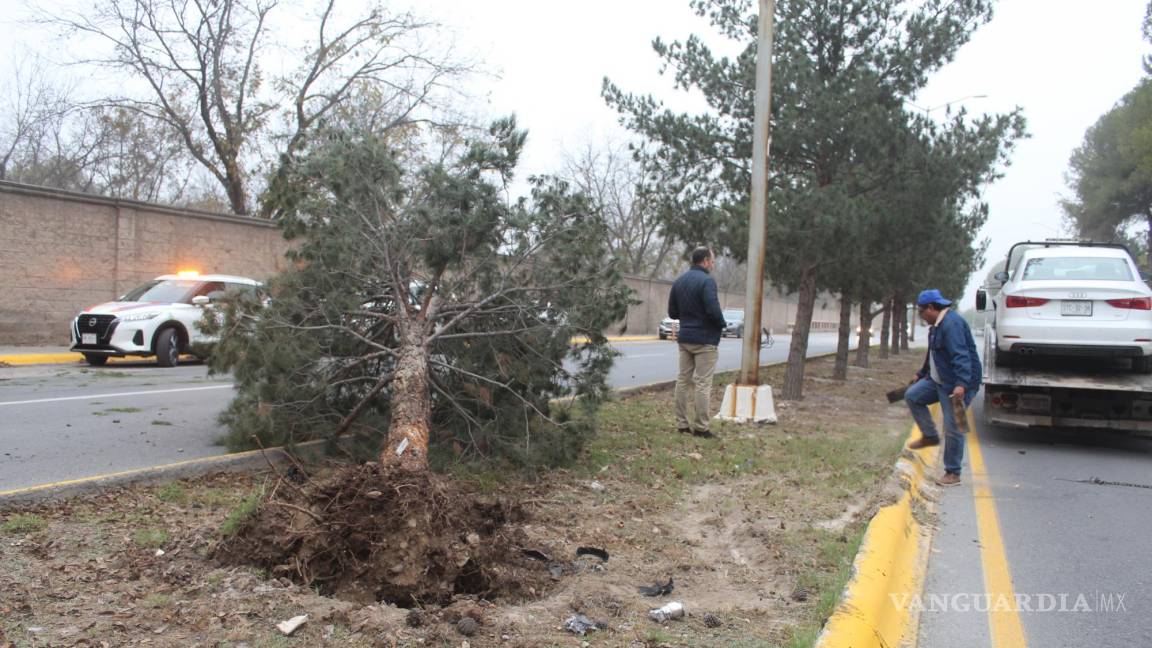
951, 371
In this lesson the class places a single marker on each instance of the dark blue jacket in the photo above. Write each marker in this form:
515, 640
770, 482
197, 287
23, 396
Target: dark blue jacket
951, 344
693, 301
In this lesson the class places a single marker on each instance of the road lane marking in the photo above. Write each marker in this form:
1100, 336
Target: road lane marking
122, 394
1004, 620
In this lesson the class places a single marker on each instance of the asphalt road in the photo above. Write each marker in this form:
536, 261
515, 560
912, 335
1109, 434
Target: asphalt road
1077, 553
66, 422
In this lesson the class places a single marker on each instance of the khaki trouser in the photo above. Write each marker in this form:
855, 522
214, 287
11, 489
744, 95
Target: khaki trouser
694, 382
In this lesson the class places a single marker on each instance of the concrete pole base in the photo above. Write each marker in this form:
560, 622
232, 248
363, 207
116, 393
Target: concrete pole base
744, 403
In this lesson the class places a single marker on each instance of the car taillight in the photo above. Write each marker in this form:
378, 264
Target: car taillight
1014, 301
1135, 303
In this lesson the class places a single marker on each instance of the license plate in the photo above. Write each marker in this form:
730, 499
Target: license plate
1076, 308
87, 338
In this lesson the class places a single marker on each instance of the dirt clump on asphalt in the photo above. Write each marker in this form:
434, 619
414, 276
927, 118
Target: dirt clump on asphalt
365, 534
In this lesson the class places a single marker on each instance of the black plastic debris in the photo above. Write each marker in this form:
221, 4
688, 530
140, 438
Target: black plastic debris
536, 555
592, 551
657, 589
582, 625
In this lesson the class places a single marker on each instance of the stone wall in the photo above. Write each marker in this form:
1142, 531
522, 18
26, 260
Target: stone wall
61, 252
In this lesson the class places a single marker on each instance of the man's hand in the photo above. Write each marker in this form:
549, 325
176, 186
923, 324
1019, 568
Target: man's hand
958, 394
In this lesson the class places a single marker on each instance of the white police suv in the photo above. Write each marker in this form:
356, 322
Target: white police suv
159, 318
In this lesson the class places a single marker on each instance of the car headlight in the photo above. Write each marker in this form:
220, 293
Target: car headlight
138, 317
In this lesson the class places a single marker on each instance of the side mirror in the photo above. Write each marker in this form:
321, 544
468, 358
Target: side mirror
981, 300
1144, 275
1001, 276
201, 300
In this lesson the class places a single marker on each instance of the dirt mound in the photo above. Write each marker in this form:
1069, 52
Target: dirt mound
367, 535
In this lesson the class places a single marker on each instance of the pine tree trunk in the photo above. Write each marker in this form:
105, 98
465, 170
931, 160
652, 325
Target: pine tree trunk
798, 351
864, 338
905, 328
840, 369
885, 330
894, 345
407, 447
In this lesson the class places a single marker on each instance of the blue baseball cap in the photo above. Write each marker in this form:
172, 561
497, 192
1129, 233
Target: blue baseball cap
932, 296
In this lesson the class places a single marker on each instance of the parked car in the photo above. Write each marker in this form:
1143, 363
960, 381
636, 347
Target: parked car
1071, 299
668, 328
733, 323
159, 318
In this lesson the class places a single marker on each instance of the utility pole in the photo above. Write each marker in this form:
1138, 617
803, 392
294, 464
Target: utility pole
757, 225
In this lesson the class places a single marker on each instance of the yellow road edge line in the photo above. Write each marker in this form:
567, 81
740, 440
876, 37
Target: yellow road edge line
890, 567
1004, 622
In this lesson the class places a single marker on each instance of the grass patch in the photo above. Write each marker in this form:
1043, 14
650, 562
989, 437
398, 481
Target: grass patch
826, 587
156, 601
173, 493
160, 422
123, 410
150, 538
240, 514
23, 523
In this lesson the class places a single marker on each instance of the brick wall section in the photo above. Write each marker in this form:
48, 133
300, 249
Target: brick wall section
61, 252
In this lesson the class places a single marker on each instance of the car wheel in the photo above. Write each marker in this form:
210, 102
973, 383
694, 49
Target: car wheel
663, 336
168, 348
1142, 365
739, 332
96, 359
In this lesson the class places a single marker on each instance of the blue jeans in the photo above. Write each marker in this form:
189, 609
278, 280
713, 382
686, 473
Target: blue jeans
922, 394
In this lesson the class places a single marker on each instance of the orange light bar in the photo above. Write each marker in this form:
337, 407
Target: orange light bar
188, 274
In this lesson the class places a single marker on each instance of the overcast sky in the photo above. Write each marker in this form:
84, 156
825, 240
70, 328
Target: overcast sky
1064, 62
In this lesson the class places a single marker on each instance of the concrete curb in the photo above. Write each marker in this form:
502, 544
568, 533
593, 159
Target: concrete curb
221, 463
890, 567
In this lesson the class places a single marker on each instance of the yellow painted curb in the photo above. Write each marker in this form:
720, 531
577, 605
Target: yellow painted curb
40, 358
889, 569
617, 338
66, 358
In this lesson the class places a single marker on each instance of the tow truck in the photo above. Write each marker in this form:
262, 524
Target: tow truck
1051, 392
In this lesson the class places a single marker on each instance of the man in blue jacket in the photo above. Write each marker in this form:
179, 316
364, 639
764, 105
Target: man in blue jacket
693, 301
951, 371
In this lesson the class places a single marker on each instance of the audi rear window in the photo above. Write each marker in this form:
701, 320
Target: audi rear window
1077, 269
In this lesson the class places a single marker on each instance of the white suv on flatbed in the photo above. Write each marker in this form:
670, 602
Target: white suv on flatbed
160, 318
1073, 300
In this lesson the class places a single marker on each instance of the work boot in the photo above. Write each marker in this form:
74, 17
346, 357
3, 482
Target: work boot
924, 442
684, 430
705, 434
949, 479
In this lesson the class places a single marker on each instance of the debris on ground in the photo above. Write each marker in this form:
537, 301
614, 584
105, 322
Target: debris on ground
292, 625
467, 626
712, 621
800, 594
592, 551
673, 610
658, 589
581, 625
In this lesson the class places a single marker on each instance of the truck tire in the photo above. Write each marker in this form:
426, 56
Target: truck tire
739, 332
167, 348
1142, 365
96, 359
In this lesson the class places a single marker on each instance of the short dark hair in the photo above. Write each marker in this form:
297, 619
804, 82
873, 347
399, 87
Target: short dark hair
936, 305
700, 253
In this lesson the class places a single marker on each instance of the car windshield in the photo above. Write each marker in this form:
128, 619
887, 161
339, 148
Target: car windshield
167, 291
734, 314
1077, 269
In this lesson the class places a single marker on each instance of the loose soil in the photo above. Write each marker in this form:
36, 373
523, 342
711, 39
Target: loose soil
757, 529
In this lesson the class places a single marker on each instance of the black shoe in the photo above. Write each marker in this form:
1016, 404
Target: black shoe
684, 430
924, 442
705, 434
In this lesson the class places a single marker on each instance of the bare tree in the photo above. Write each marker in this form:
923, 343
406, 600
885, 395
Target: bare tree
206, 67
32, 123
614, 181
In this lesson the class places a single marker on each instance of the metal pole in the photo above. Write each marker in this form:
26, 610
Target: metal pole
757, 225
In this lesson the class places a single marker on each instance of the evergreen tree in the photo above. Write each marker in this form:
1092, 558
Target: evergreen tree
422, 301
